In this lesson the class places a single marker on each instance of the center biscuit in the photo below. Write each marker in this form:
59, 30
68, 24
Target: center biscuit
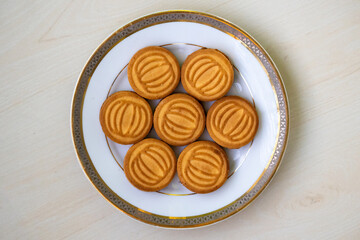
179, 119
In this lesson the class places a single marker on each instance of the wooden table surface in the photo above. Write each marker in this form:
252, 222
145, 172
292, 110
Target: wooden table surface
43, 191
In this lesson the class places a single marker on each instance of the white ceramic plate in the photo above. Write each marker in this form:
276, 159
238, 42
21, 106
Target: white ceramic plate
256, 79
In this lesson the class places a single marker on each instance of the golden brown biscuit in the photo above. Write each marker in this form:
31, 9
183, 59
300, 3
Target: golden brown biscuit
125, 117
153, 72
150, 165
179, 119
232, 122
203, 167
207, 74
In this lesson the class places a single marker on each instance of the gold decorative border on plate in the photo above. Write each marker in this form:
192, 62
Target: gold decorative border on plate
182, 16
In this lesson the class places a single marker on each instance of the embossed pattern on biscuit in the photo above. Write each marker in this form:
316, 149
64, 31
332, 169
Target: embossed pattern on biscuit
153, 72
179, 120
207, 75
232, 122
125, 117
150, 165
203, 167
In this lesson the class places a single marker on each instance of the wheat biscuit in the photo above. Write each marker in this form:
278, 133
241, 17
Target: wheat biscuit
150, 165
125, 117
207, 74
203, 167
179, 119
153, 72
232, 122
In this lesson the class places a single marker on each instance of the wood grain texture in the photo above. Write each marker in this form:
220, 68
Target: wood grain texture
45, 195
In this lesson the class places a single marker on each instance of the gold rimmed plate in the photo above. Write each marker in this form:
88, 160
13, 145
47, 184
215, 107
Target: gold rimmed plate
256, 79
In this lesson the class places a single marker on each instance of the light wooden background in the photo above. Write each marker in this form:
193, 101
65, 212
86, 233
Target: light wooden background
43, 192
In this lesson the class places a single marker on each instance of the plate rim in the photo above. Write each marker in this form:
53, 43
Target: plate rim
168, 221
